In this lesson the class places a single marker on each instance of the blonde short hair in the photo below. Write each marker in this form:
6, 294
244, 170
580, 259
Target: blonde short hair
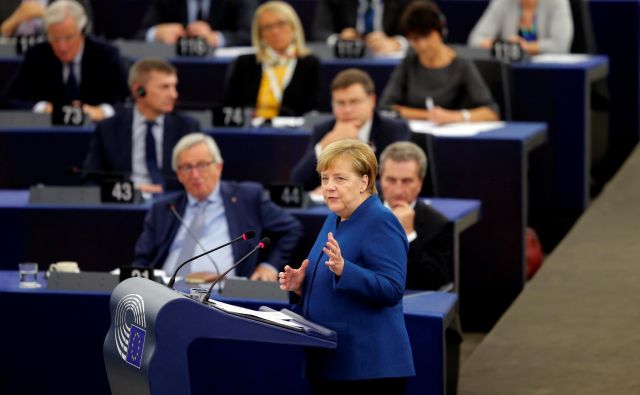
189, 141
286, 12
359, 154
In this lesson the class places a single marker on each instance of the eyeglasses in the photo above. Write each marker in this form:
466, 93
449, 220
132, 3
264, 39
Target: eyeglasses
200, 166
350, 103
266, 28
64, 39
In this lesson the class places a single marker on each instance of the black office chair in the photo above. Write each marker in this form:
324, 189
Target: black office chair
602, 167
426, 142
583, 38
497, 75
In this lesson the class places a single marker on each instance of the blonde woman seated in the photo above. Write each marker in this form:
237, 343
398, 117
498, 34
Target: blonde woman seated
282, 77
432, 82
539, 26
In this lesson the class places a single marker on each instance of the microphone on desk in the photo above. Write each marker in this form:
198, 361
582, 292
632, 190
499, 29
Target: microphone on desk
245, 236
262, 244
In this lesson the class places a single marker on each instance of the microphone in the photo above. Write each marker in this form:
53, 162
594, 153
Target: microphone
245, 236
262, 244
172, 208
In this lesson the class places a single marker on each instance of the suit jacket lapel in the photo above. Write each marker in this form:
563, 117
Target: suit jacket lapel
170, 124
231, 213
171, 229
125, 130
87, 53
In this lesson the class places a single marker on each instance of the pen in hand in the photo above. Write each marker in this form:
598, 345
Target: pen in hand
429, 105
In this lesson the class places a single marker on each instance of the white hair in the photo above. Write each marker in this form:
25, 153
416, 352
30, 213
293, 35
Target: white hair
189, 141
59, 10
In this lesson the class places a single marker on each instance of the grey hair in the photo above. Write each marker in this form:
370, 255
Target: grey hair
189, 141
404, 151
59, 10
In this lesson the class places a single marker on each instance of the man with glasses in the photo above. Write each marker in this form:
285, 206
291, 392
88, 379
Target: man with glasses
353, 102
69, 68
137, 142
211, 212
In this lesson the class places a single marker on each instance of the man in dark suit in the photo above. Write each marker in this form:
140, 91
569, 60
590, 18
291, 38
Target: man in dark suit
69, 67
213, 212
138, 141
220, 22
375, 21
403, 167
353, 102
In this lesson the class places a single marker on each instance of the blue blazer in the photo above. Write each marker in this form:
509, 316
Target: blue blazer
104, 78
384, 131
245, 207
364, 304
111, 148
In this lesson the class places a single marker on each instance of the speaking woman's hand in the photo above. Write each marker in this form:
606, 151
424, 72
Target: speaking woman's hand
292, 279
335, 262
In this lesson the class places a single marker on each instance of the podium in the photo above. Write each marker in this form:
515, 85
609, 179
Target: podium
152, 327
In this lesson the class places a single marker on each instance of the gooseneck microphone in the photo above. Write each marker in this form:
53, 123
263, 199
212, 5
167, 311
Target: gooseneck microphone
172, 208
245, 236
262, 244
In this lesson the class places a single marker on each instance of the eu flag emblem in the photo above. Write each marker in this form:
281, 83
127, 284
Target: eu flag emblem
136, 346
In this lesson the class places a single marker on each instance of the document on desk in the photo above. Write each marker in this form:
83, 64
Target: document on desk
459, 129
233, 52
560, 58
272, 317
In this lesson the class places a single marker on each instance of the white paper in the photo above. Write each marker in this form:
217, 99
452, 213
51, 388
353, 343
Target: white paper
232, 52
459, 129
275, 317
560, 58
287, 122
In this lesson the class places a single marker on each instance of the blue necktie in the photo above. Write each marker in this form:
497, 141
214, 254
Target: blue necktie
368, 17
73, 92
196, 227
200, 12
150, 155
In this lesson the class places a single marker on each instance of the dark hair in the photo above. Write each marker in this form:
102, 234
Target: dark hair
421, 18
348, 77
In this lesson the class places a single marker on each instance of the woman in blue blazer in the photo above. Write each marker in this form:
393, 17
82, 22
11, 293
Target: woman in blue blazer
353, 280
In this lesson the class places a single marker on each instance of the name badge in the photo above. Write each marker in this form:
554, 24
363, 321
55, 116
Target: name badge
118, 191
230, 116
507, 51
288, 195
349, 49
132, 271
23, 43
192, 46
67, 114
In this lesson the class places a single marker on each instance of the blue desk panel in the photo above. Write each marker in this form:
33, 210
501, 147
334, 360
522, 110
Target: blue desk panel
56, 338
493, 168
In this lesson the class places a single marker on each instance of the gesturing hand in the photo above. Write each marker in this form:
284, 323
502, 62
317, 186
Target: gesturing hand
292, 279
335, 262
